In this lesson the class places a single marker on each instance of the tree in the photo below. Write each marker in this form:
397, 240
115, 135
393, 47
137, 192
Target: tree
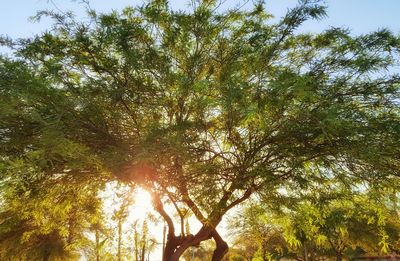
95, 250
44, 219
120, 215
340, 227
257, 234
339, 224
143, 242
321, 226
43, 216
203, 107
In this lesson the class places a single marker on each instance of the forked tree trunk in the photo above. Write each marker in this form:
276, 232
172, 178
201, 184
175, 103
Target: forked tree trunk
176, 246
169, 249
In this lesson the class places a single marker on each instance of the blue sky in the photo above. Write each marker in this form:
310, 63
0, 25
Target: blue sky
361, 16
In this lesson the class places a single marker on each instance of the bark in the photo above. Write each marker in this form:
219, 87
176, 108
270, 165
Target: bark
119, 238
176, 246
136, 238
184, 243
163, 242
305, 252
181, 216
46, 255
339, 257
143, 254
97, 245
170, 247
221, 247
172, 241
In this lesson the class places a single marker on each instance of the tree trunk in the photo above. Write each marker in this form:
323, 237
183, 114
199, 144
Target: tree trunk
143, 252
264, 250
176, 246
97, 245
136, 243
305, 252
46, 255
221, 248
220, 251
339, 257
163, 240
119, 239
169, 250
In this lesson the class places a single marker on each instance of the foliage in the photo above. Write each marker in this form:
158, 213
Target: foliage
346, 226
45, 219
258, 236
203, 107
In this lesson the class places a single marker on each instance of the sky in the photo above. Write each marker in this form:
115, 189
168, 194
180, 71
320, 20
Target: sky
360, 16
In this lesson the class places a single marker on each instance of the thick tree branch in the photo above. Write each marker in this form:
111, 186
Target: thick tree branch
158, 206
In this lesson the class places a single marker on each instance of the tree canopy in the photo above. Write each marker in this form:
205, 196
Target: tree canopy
202, 107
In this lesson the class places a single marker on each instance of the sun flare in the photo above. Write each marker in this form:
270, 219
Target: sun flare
142, 199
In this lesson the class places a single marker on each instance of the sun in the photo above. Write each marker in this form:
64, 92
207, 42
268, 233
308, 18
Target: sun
142, 203
142, 198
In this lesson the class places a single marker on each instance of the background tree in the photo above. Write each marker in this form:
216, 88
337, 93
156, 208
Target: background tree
119, 216
143, 242
95, 250
257, 234
345, 227
203, 107
44, 220
43, 216
322, 225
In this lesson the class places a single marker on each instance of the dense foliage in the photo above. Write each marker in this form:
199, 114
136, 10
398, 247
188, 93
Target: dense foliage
202, 107
344, 226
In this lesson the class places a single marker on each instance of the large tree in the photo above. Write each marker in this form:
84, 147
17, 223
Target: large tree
203, 107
